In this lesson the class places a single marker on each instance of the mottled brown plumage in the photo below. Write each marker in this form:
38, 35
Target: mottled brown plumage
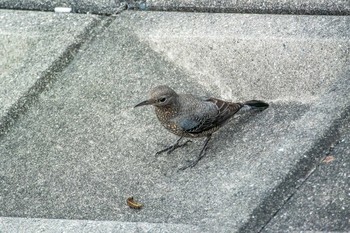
189, 116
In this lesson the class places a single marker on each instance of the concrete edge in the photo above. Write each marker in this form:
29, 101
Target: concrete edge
33, 225
251, 7
312, 155
50, 75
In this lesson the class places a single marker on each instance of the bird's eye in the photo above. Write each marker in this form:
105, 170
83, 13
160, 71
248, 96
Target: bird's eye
162, 100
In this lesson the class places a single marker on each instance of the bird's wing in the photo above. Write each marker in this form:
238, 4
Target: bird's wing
225, 109
211, 113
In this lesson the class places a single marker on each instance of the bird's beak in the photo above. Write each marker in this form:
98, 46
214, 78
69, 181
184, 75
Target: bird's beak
146, 102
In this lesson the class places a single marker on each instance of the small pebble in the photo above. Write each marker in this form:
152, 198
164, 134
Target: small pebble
63, 9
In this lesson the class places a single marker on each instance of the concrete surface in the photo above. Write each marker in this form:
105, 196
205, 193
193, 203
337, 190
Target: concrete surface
317, 7
80, 149
35, 46
322, 203
250, 56
61, 225
84, 6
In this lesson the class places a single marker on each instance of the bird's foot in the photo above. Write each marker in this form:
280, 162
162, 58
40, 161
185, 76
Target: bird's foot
192, 164
173, 147
200, 156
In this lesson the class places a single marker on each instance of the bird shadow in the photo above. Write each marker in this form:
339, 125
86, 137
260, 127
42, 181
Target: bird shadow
266, 124
236, 125
233, 127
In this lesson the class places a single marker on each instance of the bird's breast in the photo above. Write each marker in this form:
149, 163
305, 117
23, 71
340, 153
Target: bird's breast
165, 117
165, 114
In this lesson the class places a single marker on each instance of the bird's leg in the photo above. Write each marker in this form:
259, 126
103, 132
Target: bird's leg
173, 147
201, 154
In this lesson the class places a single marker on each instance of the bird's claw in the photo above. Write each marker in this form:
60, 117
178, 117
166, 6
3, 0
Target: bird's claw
201, 155
191, 164
173, 147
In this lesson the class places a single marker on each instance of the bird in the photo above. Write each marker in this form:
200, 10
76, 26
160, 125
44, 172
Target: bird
190, 116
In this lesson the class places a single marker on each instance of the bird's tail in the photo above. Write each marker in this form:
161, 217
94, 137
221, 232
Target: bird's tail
256, 104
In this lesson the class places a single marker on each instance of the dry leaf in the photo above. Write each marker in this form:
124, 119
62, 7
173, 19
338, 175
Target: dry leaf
133, 204
328, 159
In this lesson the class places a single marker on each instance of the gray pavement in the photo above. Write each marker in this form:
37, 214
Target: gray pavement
35, 46
73, 148
322, 202
314, 7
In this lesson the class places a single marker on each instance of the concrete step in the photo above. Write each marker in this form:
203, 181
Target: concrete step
34, 47
81, 148
315, 7
34, 225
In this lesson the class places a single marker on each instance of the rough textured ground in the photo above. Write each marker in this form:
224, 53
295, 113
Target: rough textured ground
321, 204
316, 7
77, 148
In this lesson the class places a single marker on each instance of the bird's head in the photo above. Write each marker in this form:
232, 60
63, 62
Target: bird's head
160, 96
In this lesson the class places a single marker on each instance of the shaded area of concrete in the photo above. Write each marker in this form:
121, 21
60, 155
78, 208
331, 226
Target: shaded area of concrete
322, 203
35, 46
316, 7
82, 149
84, 6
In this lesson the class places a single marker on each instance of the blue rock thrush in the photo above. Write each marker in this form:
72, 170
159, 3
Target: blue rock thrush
189, 116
